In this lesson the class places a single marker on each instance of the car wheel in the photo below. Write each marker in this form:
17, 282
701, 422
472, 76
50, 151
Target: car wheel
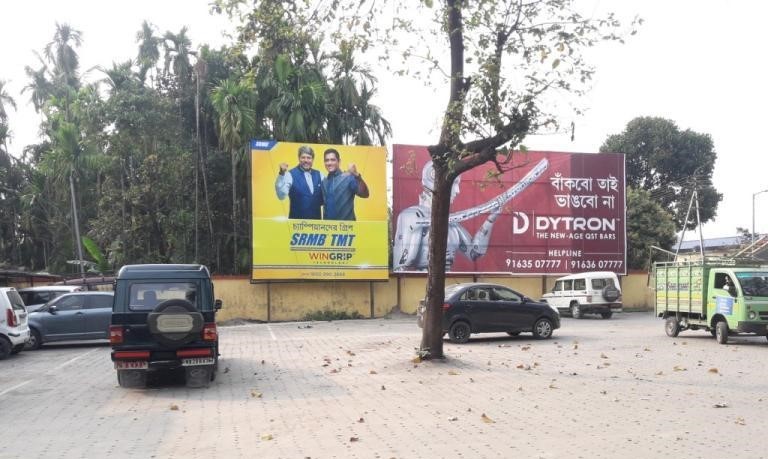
513, 333
672, 327
459, 332
132, 379
17, 349
34, 341
198, 377
721, 332
5, 348
607, 315
543, 329
576, 310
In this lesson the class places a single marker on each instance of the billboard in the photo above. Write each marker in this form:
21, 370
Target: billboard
548, 213
318, 211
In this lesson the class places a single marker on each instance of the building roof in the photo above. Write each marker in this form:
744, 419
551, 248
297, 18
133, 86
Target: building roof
711, 244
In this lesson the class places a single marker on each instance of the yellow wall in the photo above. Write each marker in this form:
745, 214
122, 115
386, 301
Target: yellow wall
293, 300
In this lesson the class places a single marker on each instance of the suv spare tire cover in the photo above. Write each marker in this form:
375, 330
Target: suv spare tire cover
175, 322
610, 293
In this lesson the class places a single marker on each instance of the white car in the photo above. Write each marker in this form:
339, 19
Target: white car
596, 292
14, 331
35, 297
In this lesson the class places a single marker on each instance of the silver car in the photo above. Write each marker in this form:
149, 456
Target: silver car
71, 317
35, 297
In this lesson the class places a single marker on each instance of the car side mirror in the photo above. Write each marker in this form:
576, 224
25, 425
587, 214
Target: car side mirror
217, 305
52, 309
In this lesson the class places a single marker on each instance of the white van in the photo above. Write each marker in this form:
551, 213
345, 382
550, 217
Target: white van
584, 293
14, 331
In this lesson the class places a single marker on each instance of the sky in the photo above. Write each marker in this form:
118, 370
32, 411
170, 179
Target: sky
699, 63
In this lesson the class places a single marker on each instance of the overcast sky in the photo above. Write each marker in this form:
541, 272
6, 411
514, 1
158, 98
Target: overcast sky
700, 63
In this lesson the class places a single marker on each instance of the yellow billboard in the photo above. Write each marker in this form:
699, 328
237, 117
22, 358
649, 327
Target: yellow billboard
319, 211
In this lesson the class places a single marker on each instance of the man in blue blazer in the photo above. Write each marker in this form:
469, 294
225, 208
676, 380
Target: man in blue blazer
302, 186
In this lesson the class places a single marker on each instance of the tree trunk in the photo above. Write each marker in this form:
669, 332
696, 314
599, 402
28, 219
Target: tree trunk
234, 213
76, 225
432, 335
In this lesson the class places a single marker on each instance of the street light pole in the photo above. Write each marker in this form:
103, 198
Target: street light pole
753, 220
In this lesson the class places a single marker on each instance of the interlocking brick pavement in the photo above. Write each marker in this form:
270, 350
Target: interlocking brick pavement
349, 389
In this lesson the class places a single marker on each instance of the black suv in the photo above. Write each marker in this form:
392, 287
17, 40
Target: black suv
163, 318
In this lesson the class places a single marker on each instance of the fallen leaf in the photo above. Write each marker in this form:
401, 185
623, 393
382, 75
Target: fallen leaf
603, 356
353, 439
660, 373
255, 394
361, 420
525, 348
552, 386
575, 346
472, 380
720, 405
647, 349
226, 370
416, 359
383, 388
350, 353
372, 372
335, 370
174, 407
262, 362
603, 392
267, 437
713, 370
454, 418
486, 419
520, 365
679, 368
740, 421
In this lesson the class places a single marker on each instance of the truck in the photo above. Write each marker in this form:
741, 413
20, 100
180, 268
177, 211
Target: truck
722, 296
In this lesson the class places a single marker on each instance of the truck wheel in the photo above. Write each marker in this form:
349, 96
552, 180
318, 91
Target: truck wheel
576, 311
672, 327
607, 315
721, 332
132, 379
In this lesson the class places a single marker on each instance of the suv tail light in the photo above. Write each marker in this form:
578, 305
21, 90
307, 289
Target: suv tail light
10, 317
209, 332
132, 355
446, 306
115, 334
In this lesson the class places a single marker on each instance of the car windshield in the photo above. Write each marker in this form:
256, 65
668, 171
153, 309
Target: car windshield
145, 296
753, 283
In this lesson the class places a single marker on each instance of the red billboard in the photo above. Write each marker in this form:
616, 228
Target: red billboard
548, 213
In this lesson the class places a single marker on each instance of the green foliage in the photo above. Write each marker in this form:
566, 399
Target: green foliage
648, 224
670, 164
328, 315
95, 253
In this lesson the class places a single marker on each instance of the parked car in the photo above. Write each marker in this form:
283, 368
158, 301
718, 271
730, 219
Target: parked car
595, 292
35, 297
71, 317
486, 308
14, 331
164, 319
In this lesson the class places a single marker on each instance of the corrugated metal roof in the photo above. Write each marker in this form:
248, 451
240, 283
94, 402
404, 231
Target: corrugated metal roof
709, 244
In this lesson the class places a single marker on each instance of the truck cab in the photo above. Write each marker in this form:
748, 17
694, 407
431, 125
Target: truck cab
724, 297
164, 319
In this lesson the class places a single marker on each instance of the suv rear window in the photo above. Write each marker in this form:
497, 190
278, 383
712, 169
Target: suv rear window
599, 284
145, 296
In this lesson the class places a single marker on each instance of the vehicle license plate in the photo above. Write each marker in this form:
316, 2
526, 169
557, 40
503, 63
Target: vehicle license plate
131, 365
197, 361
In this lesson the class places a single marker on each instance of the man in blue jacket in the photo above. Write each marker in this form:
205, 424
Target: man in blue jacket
340, 188
302, 186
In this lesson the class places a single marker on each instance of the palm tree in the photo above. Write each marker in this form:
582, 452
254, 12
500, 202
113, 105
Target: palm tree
232, 101
178, 48
40, 87
149, 54
5, 99
61, 53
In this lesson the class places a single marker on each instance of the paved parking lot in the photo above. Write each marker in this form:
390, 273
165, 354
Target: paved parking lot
599, 388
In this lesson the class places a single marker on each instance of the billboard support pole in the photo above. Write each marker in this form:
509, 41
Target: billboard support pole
269, 301
370, 286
